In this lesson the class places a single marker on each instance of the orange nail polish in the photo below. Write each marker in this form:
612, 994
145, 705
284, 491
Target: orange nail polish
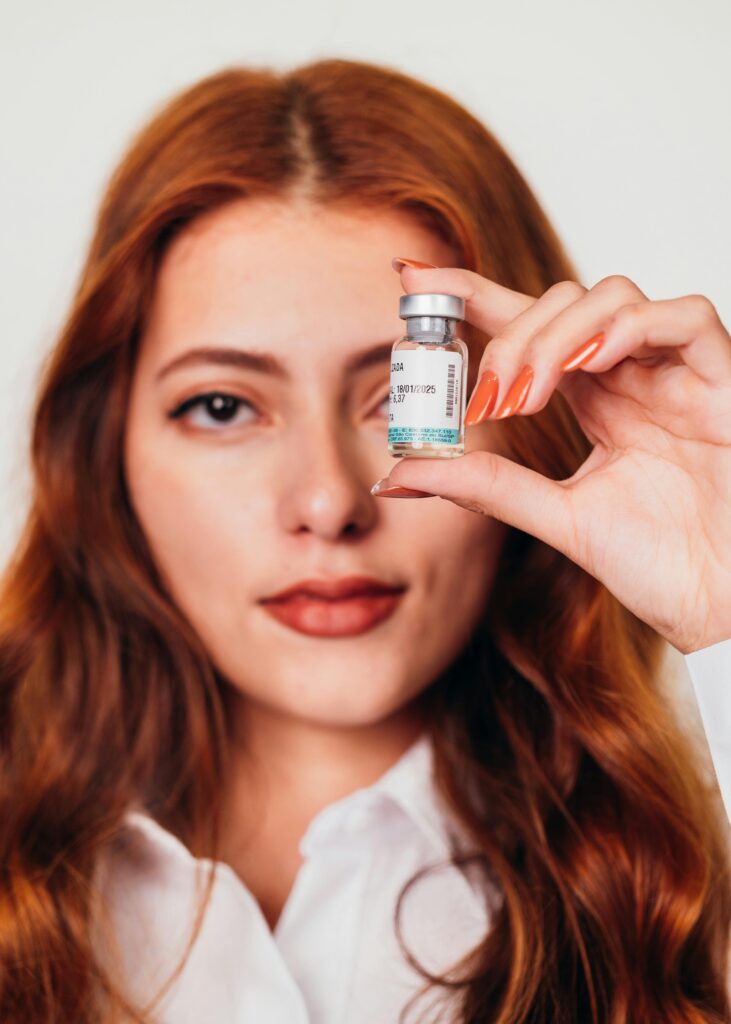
483, 398
516, 396
398, 262
583, 353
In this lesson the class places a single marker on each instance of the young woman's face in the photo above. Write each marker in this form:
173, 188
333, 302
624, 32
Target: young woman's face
266, 482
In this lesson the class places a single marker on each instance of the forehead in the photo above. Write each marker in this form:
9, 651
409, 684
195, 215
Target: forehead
285, 275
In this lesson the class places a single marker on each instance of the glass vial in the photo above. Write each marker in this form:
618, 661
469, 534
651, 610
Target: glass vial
428, 379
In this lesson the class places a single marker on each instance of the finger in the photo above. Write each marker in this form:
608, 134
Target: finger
689, 324
504, 355
488, 306
536, 346
489, 483
528, 354
680, 401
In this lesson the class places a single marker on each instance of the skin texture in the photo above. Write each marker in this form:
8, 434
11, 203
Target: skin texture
238, 510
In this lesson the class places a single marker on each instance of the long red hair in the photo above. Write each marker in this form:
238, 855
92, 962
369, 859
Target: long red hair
554, 744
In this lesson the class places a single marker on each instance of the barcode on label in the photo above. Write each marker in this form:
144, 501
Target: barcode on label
450, 390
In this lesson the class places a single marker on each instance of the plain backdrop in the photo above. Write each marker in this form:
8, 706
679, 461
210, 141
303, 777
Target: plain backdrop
617, 113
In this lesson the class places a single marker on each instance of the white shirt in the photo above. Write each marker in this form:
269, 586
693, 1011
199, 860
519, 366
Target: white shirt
333, 956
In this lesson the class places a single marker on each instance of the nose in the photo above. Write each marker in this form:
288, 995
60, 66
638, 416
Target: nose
325, 489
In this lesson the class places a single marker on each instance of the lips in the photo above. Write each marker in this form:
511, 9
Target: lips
337, 607
346, 586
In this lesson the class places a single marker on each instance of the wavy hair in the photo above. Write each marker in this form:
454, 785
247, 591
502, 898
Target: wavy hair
592, 823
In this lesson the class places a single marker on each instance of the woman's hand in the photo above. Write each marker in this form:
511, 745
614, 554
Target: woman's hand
649, 511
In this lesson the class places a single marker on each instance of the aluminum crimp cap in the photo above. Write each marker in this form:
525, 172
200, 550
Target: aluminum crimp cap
431, 304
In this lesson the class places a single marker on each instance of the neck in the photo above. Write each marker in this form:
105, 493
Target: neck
281, 772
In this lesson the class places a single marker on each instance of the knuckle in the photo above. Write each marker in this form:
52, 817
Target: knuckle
500, 343
618, 283
703, 307
566, 290
629, 314
483, 466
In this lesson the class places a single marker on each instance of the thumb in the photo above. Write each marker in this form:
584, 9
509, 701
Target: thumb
494, 485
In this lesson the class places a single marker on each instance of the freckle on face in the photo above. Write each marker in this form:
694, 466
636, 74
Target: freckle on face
286, 495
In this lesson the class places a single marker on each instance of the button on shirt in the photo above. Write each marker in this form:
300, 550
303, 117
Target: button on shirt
333, 956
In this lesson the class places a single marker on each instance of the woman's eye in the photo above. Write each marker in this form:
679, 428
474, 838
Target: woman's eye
384, 404
215, 406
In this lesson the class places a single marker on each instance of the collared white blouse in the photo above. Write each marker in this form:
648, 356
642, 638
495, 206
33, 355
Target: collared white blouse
333, 956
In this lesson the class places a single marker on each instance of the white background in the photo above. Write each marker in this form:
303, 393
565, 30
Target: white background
617, 113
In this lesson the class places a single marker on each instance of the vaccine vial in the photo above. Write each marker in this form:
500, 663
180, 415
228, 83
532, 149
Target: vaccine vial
428, 379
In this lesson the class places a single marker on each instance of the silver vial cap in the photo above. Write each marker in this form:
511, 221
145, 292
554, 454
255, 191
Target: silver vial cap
431, 304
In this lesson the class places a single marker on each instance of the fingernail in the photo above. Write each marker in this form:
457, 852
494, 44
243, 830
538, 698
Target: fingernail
483, 398
583, 353
398, 262
383, 489
516, 396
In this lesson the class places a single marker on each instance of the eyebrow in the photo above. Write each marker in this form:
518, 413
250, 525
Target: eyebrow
264, 362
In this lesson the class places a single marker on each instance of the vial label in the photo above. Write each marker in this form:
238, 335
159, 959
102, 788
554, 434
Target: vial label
425, 398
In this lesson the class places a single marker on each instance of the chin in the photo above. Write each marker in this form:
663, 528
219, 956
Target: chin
355, 705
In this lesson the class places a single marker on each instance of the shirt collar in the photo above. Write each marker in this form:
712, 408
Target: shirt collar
405, 796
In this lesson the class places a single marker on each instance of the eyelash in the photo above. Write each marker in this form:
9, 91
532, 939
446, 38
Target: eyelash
208, 396
204, 398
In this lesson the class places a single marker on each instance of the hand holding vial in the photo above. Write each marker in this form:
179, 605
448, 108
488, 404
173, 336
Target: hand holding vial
649, 511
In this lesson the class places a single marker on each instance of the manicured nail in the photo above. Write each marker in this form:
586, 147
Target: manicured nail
483, 398
516, 396
383, 489
398, 262
583, 353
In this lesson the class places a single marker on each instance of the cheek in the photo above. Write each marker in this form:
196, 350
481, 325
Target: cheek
455, 543
201, 526
459, 550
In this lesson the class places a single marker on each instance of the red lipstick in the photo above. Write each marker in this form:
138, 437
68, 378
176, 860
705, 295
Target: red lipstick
334, 607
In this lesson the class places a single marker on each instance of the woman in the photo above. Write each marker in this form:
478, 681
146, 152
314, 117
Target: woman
474, 703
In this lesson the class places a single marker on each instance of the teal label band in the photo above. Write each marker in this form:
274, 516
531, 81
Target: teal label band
424, 435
